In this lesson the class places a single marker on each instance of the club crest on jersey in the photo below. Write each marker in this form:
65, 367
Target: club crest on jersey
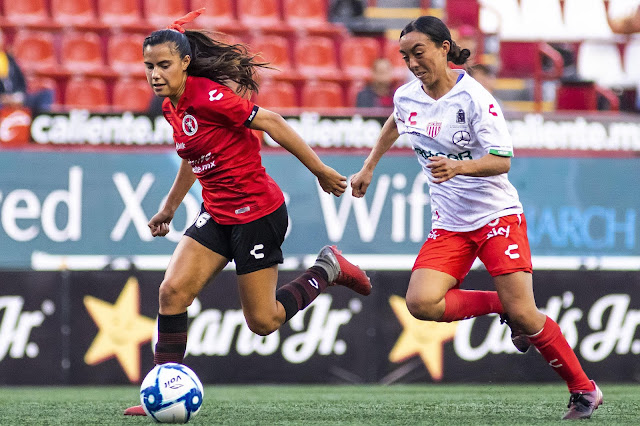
433, 128
189, 125
460, 119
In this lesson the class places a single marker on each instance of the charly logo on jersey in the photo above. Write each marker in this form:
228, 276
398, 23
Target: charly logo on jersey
433, 128
189, 125
214, 95
461, 138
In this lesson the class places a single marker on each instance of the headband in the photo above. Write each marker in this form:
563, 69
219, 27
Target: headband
177, 24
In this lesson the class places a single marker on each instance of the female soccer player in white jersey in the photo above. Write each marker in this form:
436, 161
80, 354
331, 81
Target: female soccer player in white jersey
461, 141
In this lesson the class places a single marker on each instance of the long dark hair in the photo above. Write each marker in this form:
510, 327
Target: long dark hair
213, 59
438, 32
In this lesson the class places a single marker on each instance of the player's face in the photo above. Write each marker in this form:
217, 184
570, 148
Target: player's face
423, 57
166, 71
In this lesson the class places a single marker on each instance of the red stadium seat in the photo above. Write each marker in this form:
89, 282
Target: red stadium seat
35, 52
218, 16
122, 14
276, 94
81, 53
309, 15
316, 57
161, 13
74, 13
275, 50
392, 53
131, 95
462, 12
124, 53
322, 94
358, 54
262, 15
86, 93
26, 13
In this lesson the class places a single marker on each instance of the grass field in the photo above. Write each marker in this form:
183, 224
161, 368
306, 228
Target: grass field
449, 405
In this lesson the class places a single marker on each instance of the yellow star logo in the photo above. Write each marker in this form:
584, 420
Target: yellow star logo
425, 338
121, 330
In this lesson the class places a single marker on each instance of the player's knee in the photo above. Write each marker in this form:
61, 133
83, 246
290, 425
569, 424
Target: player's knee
172, 296
262, 326
424, 309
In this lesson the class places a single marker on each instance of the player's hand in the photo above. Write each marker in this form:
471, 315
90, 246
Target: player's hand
442, 168
360, 182
159, 224
332, 182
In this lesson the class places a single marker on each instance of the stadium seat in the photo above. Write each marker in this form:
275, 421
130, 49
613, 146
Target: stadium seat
276, 94
631, 59
322, 94
462, 12
262, 15
275, 50
586, 19
524, 60
86, 93
124, 53
131, 94
218, 15
542, 20
391, 51
26, 13
600, 61
35, 52
310, 16
357, 55
501, 17
81, 53
315, 57
160, 13
124, 14
35, 83
75, 13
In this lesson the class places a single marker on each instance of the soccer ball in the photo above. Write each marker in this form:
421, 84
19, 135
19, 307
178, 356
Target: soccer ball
171, 393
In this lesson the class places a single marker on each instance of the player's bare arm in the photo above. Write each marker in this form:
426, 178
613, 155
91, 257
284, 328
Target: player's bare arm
443, 169
361, 180
330, 180
159, 223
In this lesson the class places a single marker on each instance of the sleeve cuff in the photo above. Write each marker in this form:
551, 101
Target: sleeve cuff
501, 152
251, 116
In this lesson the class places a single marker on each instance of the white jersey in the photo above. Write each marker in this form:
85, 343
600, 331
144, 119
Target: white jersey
464, 124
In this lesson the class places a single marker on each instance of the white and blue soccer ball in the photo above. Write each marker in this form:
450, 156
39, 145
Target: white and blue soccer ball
171, 393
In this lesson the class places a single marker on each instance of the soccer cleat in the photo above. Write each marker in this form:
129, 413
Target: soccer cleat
581, 405
520, 340
136, 410
343, 272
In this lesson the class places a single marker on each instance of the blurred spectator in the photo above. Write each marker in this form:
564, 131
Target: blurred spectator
484, 75
467, 37
155, 106
379, 92
344, 10
626, 24
13, 87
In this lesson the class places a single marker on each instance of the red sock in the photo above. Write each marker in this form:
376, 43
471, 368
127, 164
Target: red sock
464, 304
557, 352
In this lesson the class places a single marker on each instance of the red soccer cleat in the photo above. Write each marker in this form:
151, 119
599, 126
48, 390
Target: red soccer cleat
136, 410
350, 275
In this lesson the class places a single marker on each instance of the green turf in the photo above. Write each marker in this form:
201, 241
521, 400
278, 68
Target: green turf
449, 405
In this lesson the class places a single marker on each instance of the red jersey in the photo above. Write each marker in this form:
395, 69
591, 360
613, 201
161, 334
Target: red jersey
210, 132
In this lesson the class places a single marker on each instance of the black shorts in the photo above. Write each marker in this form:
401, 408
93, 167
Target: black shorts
253, 246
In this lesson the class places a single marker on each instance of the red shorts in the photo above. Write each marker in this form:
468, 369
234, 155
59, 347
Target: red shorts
502, 245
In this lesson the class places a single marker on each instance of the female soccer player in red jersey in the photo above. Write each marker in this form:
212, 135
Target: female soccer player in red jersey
243, 216
461, 140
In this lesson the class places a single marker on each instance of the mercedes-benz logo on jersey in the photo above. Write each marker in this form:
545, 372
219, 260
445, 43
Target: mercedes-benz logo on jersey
461, 138
189, 125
